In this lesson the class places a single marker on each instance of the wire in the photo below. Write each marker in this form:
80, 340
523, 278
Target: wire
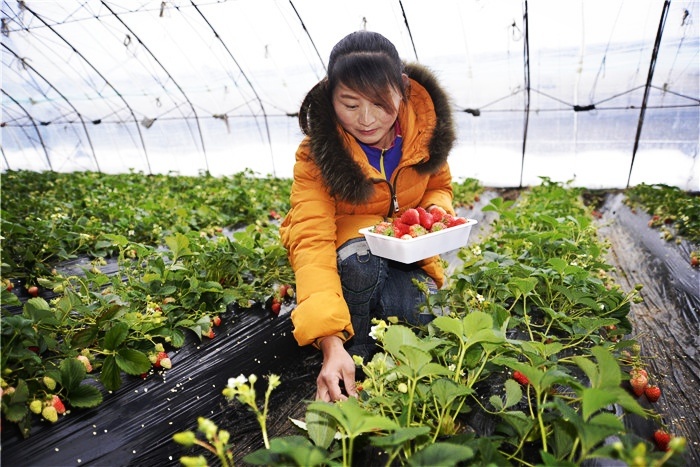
650, 75
408, 28
199, 128
308, 34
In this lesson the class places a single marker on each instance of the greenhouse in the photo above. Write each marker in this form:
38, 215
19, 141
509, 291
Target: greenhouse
153, 274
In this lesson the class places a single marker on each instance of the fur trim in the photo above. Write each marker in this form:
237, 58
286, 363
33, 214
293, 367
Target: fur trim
343, 176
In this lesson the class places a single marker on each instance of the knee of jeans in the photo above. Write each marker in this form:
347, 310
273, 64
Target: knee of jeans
360, 272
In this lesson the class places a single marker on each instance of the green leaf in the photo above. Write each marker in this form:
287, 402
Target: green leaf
598, 428
610, 373
116, 335
320, 427
85, 396
294, 448
118, 240
84, 338
496, 402
14, 407
38, 310
400, 436
519, 421
449, 325
110, 376
595, 399
445, 391
179, 245
72, 373
514, 393
397, 336
442, 454
352, 419
132, 361
590, 368
522, 286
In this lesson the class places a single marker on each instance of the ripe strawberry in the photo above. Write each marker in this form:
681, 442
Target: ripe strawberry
639, 380
58, 404
276, 307
661, 439
457, 221
211, 334
33, 291
216, 320
520, 378
652, 392
159, 358
437, 213
400, 228
695, 261
426, 219
410, 217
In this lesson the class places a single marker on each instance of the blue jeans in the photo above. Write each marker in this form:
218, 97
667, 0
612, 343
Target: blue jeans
375, 287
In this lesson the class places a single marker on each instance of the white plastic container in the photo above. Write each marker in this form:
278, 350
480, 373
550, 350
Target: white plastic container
418, 248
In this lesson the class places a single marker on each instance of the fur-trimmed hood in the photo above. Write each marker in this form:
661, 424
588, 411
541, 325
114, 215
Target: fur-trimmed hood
342, 174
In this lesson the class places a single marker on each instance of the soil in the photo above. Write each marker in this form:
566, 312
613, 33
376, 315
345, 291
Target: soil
134, 425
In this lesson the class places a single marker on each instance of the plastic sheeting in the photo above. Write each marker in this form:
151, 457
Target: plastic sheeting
540, 88
134, 425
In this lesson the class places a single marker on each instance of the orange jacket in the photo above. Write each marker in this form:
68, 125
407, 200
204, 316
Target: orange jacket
336, 192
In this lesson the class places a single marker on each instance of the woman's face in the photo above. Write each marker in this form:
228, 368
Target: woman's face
367, 121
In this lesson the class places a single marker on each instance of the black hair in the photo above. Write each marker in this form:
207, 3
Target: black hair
366, 62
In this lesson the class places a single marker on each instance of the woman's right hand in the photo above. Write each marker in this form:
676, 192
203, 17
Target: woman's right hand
338, 366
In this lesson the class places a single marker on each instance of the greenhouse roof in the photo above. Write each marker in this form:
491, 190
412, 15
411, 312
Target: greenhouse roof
602, 92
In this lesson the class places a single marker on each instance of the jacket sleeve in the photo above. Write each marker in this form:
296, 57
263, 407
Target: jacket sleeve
439, 190
309, 233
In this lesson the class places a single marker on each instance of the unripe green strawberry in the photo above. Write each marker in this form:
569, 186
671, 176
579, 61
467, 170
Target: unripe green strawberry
50, 414
166, 363
49, 382
35, 406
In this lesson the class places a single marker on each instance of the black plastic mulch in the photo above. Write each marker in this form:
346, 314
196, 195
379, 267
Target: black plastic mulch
666, 323
134, 425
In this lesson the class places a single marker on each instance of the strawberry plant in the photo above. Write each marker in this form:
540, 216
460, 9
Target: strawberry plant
669, 208
120, 324
524, 364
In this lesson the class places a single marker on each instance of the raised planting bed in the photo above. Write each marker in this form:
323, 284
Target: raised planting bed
529, 364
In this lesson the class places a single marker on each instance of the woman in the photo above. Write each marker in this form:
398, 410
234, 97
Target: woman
378, 133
